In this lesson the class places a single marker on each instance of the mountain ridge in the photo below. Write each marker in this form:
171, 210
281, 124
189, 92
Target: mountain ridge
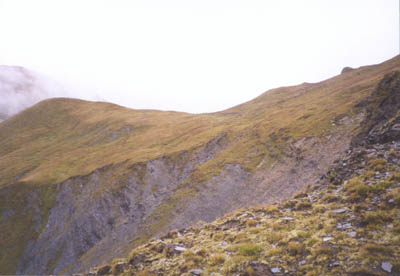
147, 172
347, 223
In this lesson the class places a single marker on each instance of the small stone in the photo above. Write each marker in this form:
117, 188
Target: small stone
343, 226
325, 239
352, 234
197, 271
335, 264
346, 226
338, 211
390, 226
391, 200
276, 270
396, 127
303, 262
287, 219
387, 267
180, 249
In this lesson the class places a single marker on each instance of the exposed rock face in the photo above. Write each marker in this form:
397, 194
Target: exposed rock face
382, 124
81, 233
378, 128
329, 229
235, 188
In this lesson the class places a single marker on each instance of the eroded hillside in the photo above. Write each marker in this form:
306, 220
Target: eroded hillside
347, 223
84, 182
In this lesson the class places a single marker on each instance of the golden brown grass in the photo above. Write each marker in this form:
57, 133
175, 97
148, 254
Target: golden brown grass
61, 138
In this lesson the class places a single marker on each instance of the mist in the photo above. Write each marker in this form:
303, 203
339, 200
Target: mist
21, 88
187, 55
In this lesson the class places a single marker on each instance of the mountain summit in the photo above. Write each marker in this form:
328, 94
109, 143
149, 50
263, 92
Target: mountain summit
85, 182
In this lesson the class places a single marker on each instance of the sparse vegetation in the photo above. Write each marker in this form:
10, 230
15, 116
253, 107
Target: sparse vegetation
378, 164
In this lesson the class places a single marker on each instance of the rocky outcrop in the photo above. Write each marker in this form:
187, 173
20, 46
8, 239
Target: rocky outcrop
346, 69
382, 123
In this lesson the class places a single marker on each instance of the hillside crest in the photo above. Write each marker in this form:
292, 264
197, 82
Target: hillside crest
85, 182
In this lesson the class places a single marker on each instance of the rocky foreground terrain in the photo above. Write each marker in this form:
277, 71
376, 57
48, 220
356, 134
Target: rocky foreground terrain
347, 223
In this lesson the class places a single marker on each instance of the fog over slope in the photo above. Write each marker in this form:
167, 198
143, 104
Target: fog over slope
21, 88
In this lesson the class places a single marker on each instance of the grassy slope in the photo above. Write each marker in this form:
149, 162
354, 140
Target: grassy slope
60, 138
345, 224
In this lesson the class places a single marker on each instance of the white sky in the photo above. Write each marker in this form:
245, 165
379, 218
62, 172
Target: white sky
193, 55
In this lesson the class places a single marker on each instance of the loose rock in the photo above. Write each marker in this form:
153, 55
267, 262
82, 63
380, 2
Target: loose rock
180, 249
387, 267
276, 270
287, 219
338, 211
197, 271
352, 234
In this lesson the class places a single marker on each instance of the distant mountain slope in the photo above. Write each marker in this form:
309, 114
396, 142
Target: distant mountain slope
82, 182
347, 223
21, 88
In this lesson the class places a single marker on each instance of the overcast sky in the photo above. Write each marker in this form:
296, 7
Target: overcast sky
193, 55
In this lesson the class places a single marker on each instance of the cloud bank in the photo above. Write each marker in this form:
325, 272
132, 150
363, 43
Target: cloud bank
21, 88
